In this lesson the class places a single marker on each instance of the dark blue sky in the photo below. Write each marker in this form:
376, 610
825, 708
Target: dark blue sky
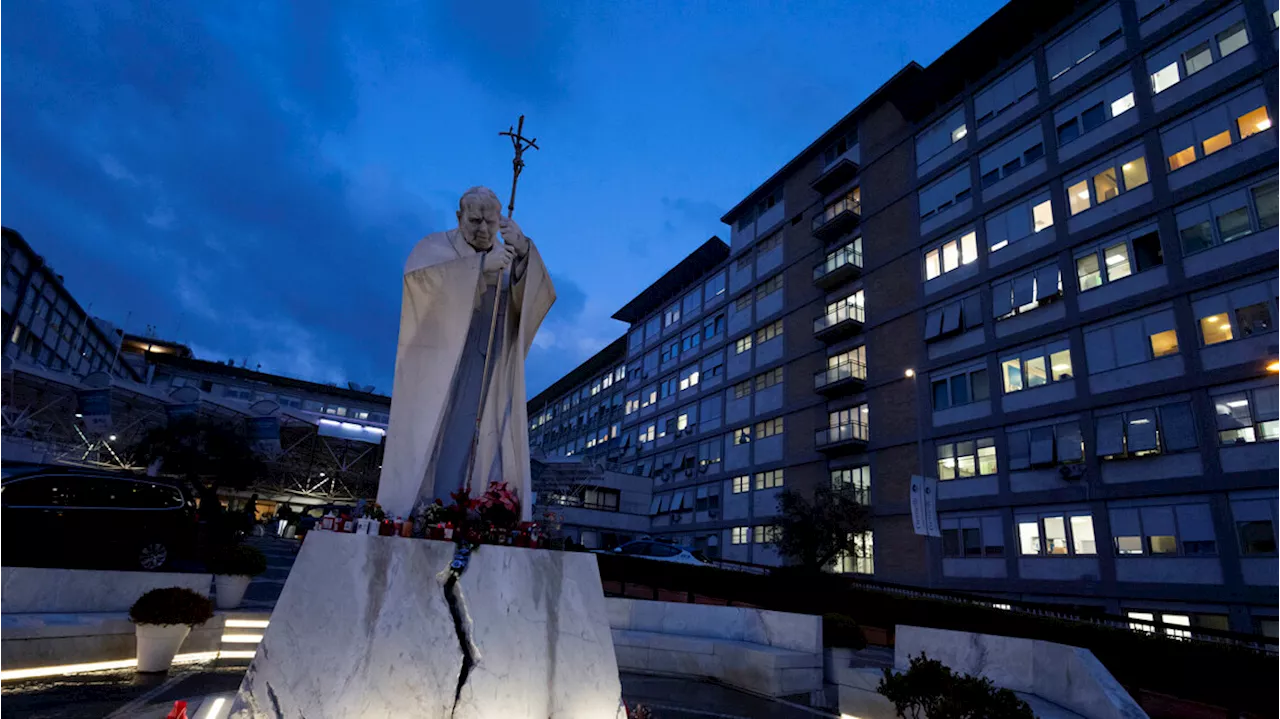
249, 177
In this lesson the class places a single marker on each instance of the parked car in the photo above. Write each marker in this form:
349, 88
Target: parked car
76, 517
662, 551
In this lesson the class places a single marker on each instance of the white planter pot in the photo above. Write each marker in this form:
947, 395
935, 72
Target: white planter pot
157, 643
230, 590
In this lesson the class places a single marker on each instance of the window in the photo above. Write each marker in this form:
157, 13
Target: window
1004, 93
769, 243
649, 395
1177, 530
743, 303
946, 192
850, 254
849, 308
689, 377
1118, 257
709, 452
648, 433
1056, 534
1007, 158
1021, 220
1255, 525
671, 351
768, 287
768, 332
1036, 367
668, 387
1045, 446
1215, 128
1094, 108
1085, 39
972, 536
1107, 181
1025, 292
743, 344
954, 317
1243, 312
713, 327
765, 534
1131, 342
1143, 432
851, 364
739, 535
862, 559
741, 484
1195, 51
967, 459
768, 428
960, 388
715, 287
844, 425
713, 367
856, 479
840, 147
742, 435
962, 250
769, 202
941, 135
1229, 217
768, 379
690, 341
1247, 416
769, 480
742, 389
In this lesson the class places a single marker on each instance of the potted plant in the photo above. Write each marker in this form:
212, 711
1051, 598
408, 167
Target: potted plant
163, 618
233, 568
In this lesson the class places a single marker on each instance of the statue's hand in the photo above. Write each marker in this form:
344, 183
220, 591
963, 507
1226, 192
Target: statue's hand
513, 236
498, 259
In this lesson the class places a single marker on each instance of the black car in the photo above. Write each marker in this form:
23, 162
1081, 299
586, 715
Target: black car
77, 517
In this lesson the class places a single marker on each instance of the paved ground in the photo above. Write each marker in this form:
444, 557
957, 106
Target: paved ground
126, 695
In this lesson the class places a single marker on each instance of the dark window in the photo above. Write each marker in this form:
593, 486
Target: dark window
1234, 224
1068, 131
1253, 319
1256, 537
972, 542
1266, 199
951, 542
978, 381
941, 398
636, 548
657, 549
1147, 252
1011, 166
960, 389
990, 178
1035, 152
1092, 118
1196, 237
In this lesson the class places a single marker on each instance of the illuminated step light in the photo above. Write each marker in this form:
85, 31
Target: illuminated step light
247, 623
62, 670
215, 708
241, 638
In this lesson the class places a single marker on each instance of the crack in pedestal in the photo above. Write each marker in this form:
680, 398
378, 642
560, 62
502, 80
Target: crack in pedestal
461, 624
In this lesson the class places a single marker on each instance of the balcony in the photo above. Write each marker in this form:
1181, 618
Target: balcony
841, 266
835, 175
837, 218
839, 323
842, 438
841, 379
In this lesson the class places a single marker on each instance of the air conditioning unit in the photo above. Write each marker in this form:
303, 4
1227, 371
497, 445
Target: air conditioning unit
1071, 471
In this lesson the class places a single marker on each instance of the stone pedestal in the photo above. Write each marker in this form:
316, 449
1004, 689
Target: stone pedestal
363, 628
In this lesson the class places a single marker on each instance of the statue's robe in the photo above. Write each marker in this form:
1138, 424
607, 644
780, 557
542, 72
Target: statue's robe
445, 318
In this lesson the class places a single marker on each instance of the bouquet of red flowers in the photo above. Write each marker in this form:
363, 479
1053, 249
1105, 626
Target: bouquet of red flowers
499, 507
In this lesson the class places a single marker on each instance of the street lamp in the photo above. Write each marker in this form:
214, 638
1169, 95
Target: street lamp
910, 373
1274, 367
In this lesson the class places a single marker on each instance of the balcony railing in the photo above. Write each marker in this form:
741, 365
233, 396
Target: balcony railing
846, 313
845, 263
840, 434
842, 213
840, 373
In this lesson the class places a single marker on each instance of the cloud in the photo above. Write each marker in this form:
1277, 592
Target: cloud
567, 337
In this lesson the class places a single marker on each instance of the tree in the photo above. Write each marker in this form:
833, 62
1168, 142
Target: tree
930, 689
813, 532
212, 454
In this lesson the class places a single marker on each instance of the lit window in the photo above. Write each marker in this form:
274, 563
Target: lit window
1232, 39
1078, 197
1060, 363
1135, 173
1182, 158
931, 268
969, 248
742, 484
1215, 329
1012, 372
1253, 122
1089, 272
1117, 260
1122, 105
1105, 186
1165, 78
740, 535
1042, 215
950, 256
959, 133
1164, 343
1218, 142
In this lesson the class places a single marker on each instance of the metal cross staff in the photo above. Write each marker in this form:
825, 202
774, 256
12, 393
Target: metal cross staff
520, 143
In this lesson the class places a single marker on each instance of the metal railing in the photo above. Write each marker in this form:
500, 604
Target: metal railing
848, 203
846, 432
843, 257
842, 371
857, 313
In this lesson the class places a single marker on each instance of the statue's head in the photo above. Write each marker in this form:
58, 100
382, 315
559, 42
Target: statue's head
478, 214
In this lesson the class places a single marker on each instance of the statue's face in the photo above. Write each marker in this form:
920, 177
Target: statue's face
478, 221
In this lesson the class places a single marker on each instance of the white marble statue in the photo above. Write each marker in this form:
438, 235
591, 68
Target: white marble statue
451, 284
